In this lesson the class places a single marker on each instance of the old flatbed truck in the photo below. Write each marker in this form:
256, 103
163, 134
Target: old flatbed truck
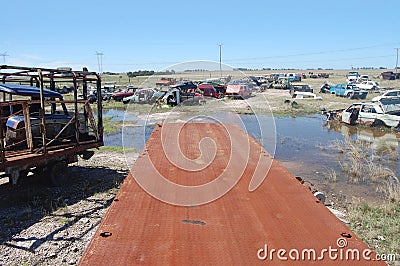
40, 131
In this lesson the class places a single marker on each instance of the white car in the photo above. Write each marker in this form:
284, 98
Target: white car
367, 85
363, 78
387, 94
305, 95
383, 113
352, 76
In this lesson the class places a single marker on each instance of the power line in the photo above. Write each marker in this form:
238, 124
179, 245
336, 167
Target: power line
306, 54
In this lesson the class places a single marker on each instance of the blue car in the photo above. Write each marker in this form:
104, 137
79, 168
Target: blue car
349, 91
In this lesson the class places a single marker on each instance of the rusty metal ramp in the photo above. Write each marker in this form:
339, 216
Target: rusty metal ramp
208, 194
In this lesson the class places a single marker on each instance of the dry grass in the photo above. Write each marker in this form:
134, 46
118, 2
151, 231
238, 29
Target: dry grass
378, 226
392, 189
361, 163
331, 175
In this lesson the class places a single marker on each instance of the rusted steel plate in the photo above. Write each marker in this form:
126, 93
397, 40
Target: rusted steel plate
240, 228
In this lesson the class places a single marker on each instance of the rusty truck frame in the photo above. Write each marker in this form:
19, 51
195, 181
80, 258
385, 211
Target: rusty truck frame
33, 138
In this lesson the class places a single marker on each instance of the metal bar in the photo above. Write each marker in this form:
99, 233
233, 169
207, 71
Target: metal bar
99, 108
84, 93
87, 142
28, 128
22, 158
53, 88
15, 102
88, 110
2, 155
61, 131
76, 112
42, 112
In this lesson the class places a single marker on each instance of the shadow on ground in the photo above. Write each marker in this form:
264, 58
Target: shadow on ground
25, 204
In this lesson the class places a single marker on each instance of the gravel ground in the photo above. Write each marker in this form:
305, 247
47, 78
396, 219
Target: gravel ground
53, 226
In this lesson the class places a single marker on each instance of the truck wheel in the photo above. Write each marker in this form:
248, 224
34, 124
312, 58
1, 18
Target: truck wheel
59, 174
350, 95
377, 123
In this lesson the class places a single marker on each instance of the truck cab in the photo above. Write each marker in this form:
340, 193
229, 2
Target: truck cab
352, 77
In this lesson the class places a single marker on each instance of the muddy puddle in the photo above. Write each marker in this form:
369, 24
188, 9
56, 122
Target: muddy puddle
319, 152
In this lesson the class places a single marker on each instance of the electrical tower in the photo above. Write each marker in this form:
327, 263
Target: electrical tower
100, 61
220, 58
4, 57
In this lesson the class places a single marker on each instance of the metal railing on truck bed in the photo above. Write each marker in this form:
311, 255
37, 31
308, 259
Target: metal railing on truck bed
38, 128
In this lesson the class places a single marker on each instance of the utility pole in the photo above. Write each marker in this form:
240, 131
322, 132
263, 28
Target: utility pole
4, 57
397, 58
220, 58
100, 61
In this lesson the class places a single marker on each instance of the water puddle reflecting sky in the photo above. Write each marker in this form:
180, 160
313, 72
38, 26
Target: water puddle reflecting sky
307, 146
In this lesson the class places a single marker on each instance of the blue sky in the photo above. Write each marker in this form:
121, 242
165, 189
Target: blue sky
135, 35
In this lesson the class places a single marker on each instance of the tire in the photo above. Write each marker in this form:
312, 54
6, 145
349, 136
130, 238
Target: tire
58, 174
378, 123
350, 95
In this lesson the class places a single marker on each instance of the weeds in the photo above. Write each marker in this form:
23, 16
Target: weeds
116, 149
64, 220
362, 163
331, 175
111, 126
392, 189
378, 225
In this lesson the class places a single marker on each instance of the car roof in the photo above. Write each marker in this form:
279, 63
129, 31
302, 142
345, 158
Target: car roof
205, 86
357, 103
146, 89
25, 90
391, 90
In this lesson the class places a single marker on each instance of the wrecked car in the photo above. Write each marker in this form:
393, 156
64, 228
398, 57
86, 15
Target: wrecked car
140, 96
383, 113
349, 91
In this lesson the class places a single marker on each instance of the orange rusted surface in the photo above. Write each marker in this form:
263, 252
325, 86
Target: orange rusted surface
237, 228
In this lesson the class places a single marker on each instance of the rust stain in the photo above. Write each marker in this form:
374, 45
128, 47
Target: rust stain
280, 213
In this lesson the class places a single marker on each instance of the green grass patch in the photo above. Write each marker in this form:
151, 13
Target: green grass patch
116, 149
111, 126
378, 225
111, 104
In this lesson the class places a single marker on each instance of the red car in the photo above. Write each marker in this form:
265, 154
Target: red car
208, 90
239, 91
166, 82
118, 96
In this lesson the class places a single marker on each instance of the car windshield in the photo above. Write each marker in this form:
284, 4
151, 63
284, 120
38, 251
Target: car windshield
391, 105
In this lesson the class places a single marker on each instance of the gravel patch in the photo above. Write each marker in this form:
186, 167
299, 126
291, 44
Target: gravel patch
42, 225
